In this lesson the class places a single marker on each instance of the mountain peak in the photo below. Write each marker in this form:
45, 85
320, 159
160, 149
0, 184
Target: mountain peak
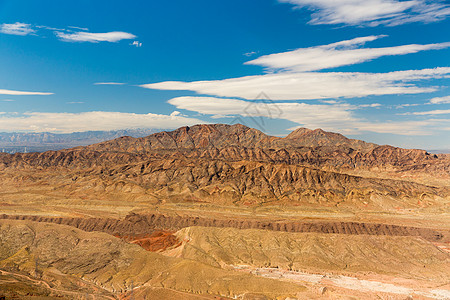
319, 137
298, 132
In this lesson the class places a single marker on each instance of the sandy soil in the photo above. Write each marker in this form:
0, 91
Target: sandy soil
347, 282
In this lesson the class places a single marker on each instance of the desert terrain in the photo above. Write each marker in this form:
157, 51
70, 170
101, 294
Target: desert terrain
226, 212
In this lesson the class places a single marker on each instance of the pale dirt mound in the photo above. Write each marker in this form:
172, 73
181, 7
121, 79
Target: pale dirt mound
407, 257
40, 249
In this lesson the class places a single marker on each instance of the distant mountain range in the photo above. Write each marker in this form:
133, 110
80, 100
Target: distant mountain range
238, 165
13, 142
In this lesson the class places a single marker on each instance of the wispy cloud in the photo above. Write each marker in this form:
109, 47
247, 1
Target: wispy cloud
431, 112
109, 83
16, 29
8, 100
314, 116
91, 37
50, 28
75, 102
373, 12
334, 55
329, 101
21, 93
296, 79
68, 34
370, 105
85, 121
407, 105
440, 100
311, 85
79, 28
334, 117
251, 53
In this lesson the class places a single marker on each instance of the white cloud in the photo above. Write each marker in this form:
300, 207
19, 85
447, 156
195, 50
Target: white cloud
335, 55
16, 29
426, 127
137, 44
328, 116
69, 34
370, 105
21, 93
251, 53
85, 121
335, 117
175, 113
79, 28
407, 105
8, 100
431, 112
311, 85
373, 12
75, 102
50, 28
109, 83
329, 101
440, 100
83, 36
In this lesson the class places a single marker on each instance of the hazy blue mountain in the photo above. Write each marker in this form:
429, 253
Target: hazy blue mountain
12, 142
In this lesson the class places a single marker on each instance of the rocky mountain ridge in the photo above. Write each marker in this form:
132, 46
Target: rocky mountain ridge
221, 136
237, 165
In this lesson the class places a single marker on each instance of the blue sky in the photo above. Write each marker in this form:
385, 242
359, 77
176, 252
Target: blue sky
376, 70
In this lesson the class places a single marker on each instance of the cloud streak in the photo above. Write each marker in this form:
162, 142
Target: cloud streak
69, 34
372, 12
297, 76
109, 83
440, 100
91, 37
335, 55
431, 112
17, 29
21, 93
85, 121
311, 85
